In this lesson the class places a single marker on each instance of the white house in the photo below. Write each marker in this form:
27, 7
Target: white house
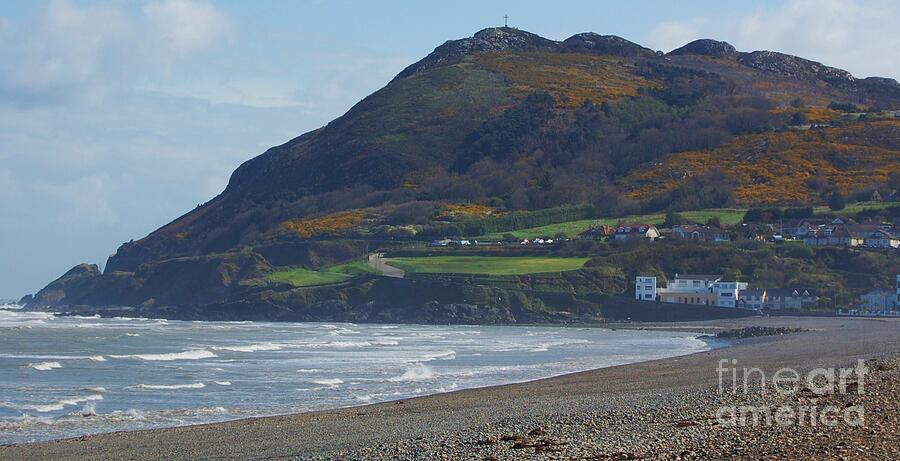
790, 298
882, 239
636, 232
752, 299
878, 301
690, 289
727, 293
645, 288
701, 233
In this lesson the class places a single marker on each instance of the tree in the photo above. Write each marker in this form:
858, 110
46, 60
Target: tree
799, 118
714, 222
733, 274
673, 219
837, 201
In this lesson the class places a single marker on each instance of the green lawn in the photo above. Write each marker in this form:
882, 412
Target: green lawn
487, 265
300, 277
727, 216
854, 208
352, 268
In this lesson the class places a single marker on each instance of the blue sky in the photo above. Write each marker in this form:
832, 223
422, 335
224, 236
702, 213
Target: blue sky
118, 116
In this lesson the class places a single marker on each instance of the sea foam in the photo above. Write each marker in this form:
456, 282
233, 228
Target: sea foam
158, 387
331, 382
416, 372
61, 404
195, 354
45, 366
252, 347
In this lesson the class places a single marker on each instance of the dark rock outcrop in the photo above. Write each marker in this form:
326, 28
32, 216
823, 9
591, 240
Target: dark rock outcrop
74, 280
177, 281
794, 67
591, 43
707, 47
491, 39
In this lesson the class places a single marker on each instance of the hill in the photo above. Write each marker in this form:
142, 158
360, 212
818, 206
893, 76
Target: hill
522, 131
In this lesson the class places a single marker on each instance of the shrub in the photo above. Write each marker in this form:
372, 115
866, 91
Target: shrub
837, 201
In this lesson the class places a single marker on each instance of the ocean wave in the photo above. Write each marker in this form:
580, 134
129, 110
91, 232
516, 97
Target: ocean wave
309, 370
10, 307
11, 318
58, 405
45, 366
223, 383
53, 358
331, 382
160, 387
416, 372
446, 355
544, 347
252, 347
194, 354
88, 410
349, 344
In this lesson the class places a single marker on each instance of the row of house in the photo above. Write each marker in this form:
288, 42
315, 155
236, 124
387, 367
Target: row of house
881, 302
838, 233
812, 232
712, 290
624, 232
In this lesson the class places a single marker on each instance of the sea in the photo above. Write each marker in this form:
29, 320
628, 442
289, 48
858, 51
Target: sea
64, 376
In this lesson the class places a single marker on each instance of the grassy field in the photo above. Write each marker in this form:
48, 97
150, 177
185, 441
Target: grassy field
352, 268
727, 216
300, 277
855, 207
487, 265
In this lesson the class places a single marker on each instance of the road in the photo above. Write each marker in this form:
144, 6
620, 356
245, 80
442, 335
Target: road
378, 262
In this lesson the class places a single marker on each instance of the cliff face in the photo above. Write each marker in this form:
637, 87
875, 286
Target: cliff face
505, 119
179, 281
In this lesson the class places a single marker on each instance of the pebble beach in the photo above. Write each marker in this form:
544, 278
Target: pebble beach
663, 409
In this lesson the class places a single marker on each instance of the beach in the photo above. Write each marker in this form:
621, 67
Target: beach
662, 409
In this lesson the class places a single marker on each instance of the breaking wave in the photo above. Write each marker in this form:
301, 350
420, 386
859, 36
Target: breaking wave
56, 406
159, 387
331, 382
45, 366
195, 354
252, 347
416, 372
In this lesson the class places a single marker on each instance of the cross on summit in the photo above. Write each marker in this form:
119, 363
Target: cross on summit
505, 20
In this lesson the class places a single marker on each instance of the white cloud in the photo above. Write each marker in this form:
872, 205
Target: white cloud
68, 46
85, 52
83, 201
184, 26
859, 37
245, 91
674, 34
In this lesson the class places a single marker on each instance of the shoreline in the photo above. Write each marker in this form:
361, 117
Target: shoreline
699, 334
405, 424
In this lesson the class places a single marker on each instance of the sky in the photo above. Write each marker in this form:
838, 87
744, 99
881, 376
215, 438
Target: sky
118, 116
